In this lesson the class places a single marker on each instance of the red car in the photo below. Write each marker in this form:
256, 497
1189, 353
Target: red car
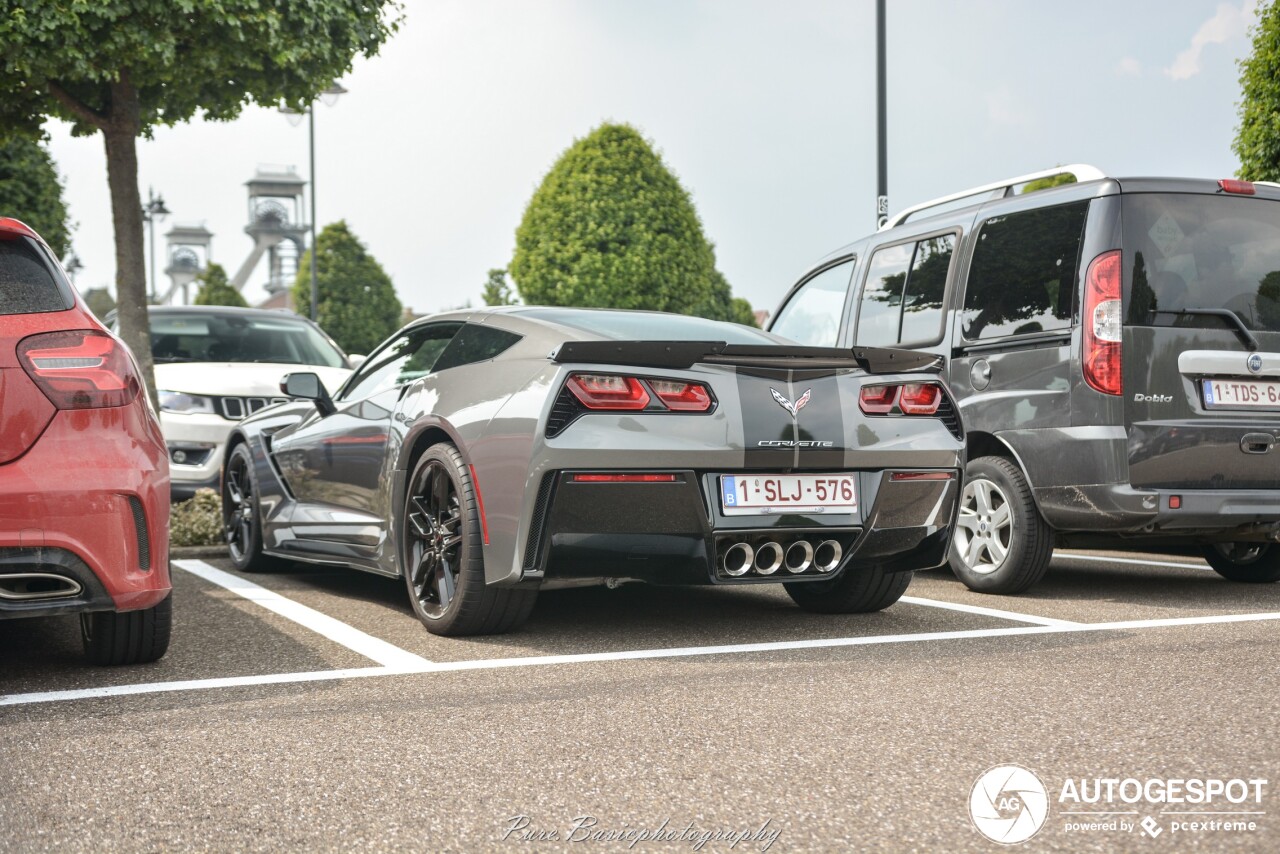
84, 473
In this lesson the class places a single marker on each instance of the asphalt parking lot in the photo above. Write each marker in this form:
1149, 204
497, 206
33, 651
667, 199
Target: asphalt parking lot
310, 710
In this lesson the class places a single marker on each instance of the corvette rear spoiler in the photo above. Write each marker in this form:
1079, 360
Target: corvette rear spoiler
685, 354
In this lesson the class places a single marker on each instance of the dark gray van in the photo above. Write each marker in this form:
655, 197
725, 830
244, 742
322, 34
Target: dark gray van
1114, 348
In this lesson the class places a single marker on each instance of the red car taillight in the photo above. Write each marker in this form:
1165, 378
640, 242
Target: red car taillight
80, 369
877, 399
610, 392
1102, 323
682, 397
920, 399
604, 391
910, 398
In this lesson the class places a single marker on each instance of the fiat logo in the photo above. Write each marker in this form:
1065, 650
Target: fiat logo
1255, 363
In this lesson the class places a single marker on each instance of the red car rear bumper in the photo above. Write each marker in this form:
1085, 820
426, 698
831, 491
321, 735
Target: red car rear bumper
95, 485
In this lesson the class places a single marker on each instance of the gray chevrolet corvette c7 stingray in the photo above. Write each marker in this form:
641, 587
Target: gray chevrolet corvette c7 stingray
483, 455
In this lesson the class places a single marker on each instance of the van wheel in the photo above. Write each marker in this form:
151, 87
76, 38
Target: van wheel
1001, 545
1256, 563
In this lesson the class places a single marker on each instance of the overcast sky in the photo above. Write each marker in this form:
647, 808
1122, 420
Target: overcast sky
764, 110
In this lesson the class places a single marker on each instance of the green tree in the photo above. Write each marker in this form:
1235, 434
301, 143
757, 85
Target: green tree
100, 302
31, 191
1257, 141
215, 289
123, 67
611, 226
496, 290
358, 306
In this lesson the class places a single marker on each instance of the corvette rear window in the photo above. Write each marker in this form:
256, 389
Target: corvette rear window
655, 326
27, 280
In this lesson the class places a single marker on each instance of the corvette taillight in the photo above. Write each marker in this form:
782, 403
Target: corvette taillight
682, 397
1102, 323
920, 399
81, 369
605, 391
877, 399
909, 398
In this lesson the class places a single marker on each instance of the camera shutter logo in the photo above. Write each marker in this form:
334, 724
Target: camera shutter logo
1008, 804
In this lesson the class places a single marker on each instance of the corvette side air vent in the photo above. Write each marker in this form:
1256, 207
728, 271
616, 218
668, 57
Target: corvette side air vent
948, 415
565, 411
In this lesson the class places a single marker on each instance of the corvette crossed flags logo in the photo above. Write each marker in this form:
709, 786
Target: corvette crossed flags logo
793, 408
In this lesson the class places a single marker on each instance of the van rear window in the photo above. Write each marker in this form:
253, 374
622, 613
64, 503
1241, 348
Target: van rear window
27, 279
1187, 251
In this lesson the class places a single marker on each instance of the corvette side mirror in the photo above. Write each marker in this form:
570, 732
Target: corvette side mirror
307, 386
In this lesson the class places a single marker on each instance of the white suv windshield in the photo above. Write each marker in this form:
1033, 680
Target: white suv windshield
199, 337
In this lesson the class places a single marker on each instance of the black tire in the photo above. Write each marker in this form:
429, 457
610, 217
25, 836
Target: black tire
1001, 543
241, 516
1252, 563
134, 637
859, 590
443, 554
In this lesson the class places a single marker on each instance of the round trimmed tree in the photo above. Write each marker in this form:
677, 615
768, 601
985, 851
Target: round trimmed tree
357, 305
216, 290
611, 227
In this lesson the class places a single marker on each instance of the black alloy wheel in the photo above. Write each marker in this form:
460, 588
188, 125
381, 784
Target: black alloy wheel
434, 531
241, 520
443, 553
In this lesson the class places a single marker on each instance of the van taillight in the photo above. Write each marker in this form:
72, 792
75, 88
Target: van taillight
81, 369
1102, 323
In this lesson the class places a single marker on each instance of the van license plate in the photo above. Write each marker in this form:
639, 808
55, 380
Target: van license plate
772, 494
1241, 394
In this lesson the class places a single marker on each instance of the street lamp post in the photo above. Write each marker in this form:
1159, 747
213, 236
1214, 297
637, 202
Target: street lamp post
330, 97
154, 209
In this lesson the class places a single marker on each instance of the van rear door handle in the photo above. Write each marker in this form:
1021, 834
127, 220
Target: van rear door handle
1256, 443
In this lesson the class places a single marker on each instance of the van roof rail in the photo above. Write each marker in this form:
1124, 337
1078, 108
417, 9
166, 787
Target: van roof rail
1081, 171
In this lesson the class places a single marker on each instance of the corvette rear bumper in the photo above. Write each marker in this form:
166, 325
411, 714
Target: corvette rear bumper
675, 532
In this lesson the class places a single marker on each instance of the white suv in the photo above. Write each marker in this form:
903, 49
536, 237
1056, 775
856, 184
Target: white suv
215, 365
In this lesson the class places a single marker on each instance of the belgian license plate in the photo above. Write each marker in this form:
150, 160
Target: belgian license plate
1236, 394
765, 494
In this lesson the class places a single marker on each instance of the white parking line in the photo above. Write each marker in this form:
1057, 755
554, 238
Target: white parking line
388, 655
987, 612
190, 685
631, 655
1135, 561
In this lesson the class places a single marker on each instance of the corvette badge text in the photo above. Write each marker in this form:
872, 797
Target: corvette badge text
587, 828
1010, 804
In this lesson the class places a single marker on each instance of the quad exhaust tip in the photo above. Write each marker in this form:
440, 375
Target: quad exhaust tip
24, 586
827, 556
738, 559
799, 556
768, 558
